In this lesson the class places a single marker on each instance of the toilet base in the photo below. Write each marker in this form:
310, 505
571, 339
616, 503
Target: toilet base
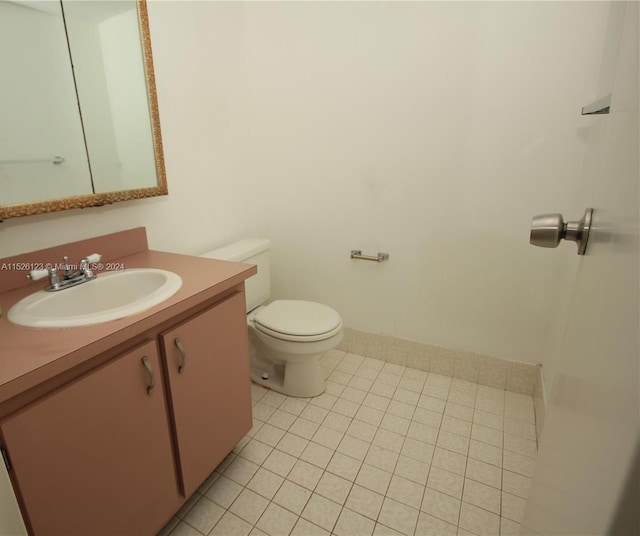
299, 379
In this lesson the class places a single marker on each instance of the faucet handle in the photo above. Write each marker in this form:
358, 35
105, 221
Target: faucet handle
34, 275
94, 257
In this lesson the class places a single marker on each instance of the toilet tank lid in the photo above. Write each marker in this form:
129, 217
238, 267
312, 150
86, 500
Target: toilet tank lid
239, 251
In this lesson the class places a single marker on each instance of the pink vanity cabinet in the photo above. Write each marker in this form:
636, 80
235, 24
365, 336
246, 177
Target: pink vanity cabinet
109, 429
95, 456
209, 389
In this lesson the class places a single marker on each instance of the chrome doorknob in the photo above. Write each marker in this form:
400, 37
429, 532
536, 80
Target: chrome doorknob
548, 229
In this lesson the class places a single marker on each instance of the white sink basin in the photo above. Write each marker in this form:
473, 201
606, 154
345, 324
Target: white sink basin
110, 296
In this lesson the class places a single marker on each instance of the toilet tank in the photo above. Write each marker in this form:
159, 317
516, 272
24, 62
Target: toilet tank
251, 251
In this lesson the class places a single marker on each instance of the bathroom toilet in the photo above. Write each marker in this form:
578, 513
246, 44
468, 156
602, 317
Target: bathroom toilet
286, 337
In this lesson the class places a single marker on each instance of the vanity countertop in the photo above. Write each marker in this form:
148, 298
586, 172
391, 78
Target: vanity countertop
31, 356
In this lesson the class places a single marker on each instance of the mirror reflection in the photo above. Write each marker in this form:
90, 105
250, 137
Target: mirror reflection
74, 117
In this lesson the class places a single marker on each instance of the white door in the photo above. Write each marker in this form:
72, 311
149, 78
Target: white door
587, 450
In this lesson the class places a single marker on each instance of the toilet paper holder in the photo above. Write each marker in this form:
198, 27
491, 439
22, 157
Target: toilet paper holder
357, 254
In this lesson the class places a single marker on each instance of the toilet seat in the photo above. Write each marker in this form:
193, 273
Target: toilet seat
298, 321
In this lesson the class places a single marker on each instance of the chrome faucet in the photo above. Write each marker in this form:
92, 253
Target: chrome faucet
68, 277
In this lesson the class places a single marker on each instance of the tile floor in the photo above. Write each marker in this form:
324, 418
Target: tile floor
386, 450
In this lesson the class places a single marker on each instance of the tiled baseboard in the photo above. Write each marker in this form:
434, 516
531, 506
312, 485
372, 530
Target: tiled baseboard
539, 401
485, 370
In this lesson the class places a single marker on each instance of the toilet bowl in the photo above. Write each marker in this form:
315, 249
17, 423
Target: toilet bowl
286, 337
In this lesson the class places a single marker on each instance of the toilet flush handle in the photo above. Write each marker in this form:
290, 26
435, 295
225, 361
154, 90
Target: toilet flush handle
183, 355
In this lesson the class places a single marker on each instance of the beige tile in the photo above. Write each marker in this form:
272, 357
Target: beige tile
293, 405
321, 512
333, 487
509, 528
292, 496
453, 442
306, 528
382, 530
523, 446
388, 440
442, 364
376, 402
369, 415
513, 507
441, 506
344, 466
337, 422
361, 430
456, 426
490, 420
358, 392
304, 428
346, 408
405, 491
520, 429
449, 461
292, 444
381, 458
395, 424
262, 412
231, 525
479, 521
249, 506
256, 451
373, 479
428, 417
411, 469
485, 453
281, 419
458, 411
423, 432
398, 516
493, 372
317, 455
224, 491
276, 521
481, 495
305, 474
446, 482
353, 447
271, 398
516, 463
521, 378
382, 388
279, 463
182, 529
401, 409
432, 404
432, 526
204, 515
314, 414
327, 437
241, 471
325, 400
353, 524
488, 435
484, 472
265, 483
417, 450
516, 484
364, 501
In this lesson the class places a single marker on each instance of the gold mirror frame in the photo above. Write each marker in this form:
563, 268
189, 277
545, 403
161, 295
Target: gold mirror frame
107, 198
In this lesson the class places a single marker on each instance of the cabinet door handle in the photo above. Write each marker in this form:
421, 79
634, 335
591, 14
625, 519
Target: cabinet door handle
183, 355
152, 380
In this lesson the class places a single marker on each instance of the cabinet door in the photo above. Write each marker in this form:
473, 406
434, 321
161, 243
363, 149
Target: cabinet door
95, 457
210, 387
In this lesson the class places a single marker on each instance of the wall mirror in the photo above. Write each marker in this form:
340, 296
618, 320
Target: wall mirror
79, 124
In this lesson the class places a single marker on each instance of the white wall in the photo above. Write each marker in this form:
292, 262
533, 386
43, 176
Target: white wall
431, 131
